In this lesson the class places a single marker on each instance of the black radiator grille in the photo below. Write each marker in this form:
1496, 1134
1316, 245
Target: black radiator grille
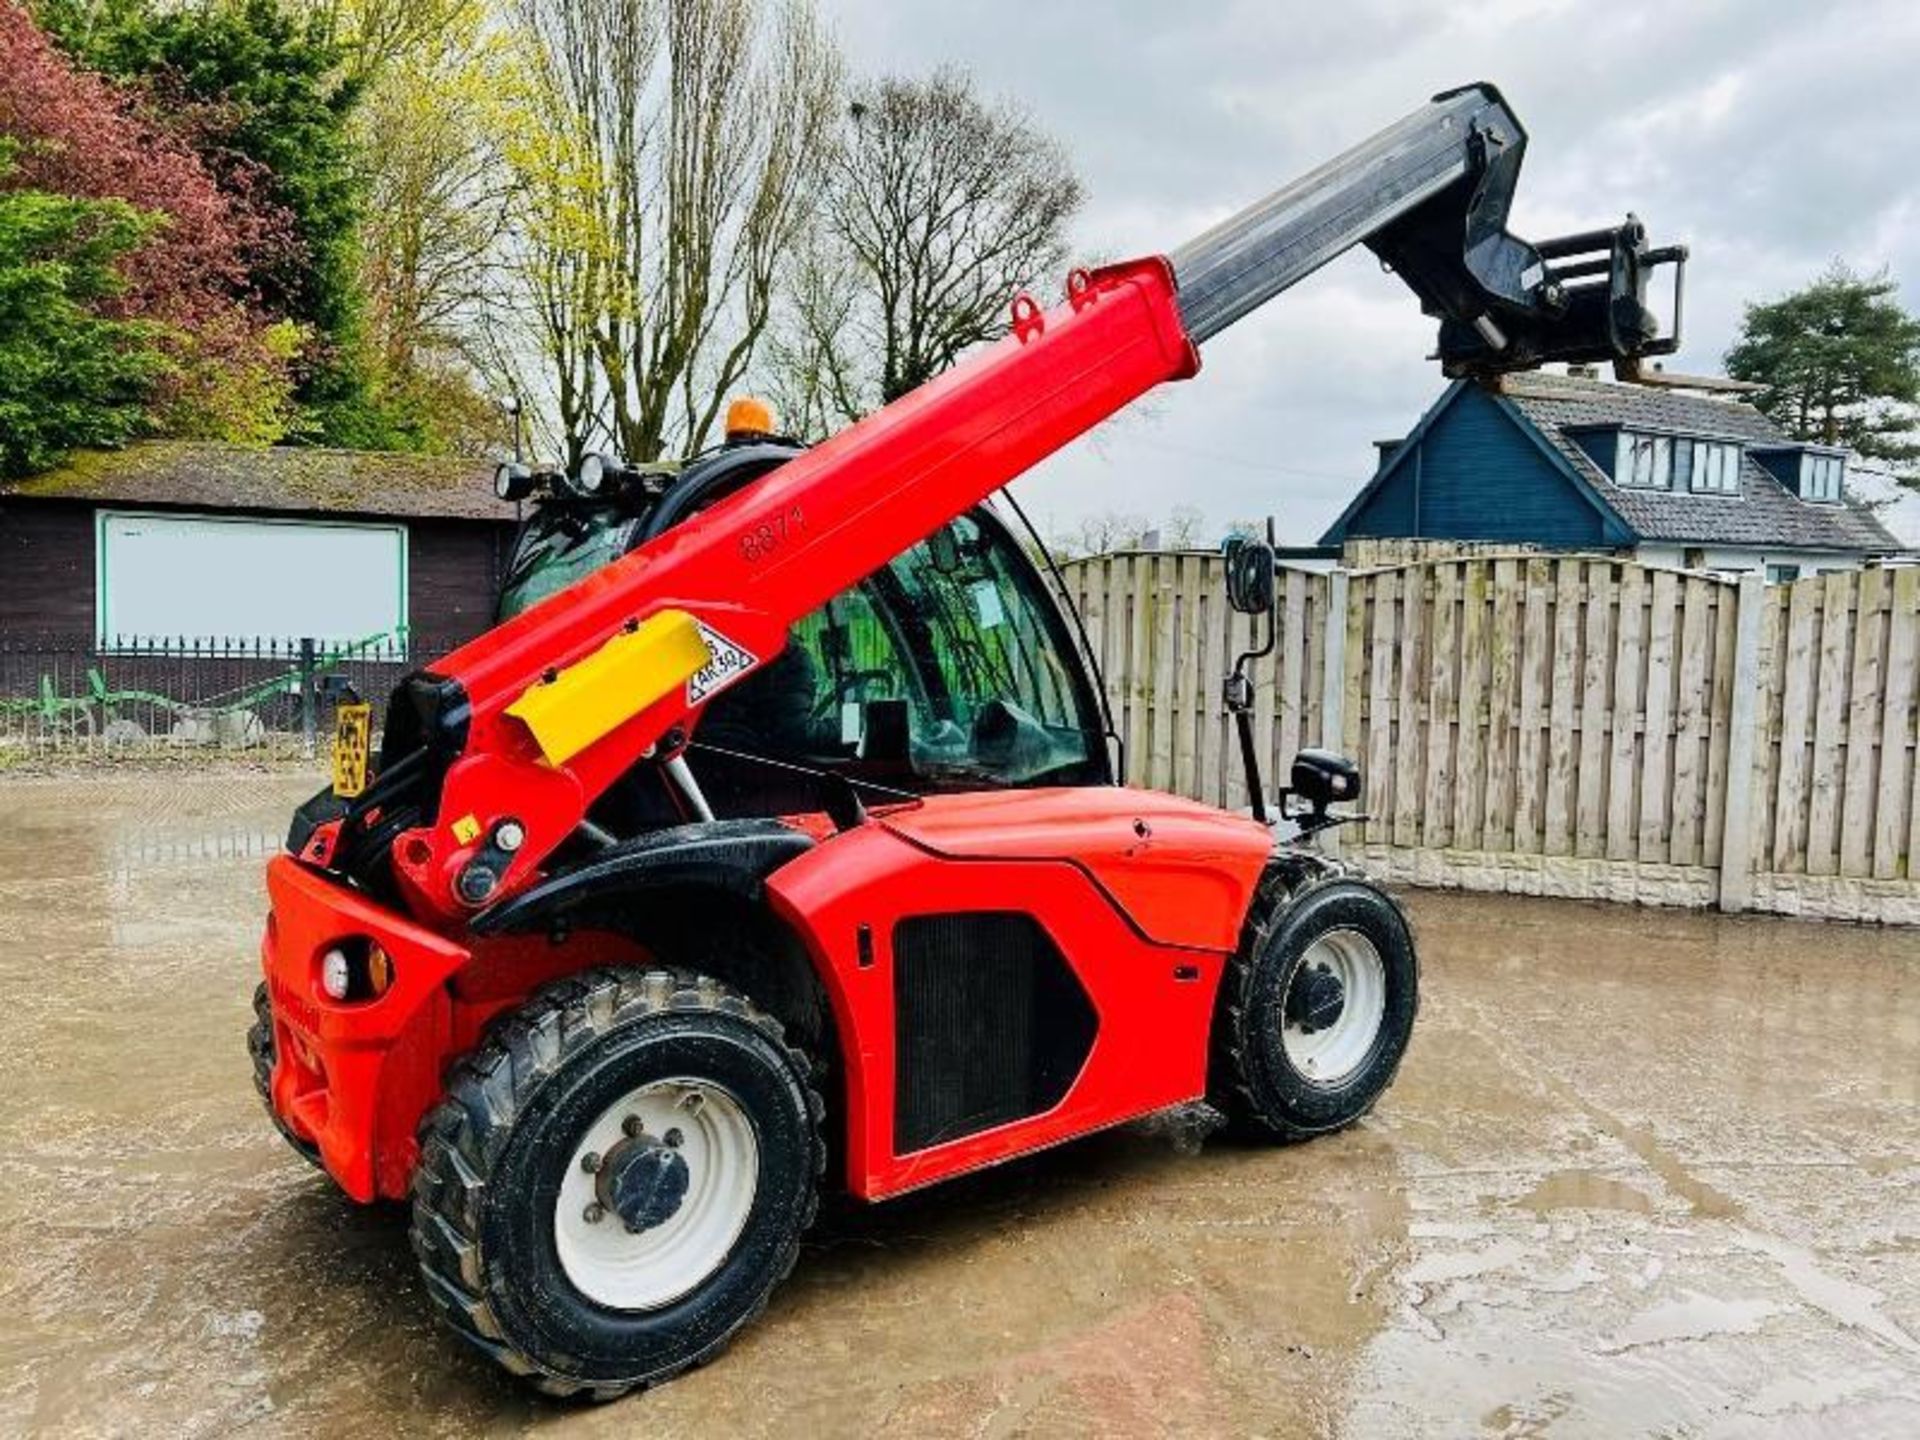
991, 1025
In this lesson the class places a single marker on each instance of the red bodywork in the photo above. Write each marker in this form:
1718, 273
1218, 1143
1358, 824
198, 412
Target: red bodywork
1142, 893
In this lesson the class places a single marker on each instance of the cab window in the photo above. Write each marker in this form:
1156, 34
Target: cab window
557, 550
947, 668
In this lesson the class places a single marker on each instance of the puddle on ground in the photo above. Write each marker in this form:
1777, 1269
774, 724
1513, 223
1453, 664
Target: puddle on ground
1692, 1317
1585, 1190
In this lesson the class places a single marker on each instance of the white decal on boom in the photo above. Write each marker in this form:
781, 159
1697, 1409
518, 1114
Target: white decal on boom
727, 664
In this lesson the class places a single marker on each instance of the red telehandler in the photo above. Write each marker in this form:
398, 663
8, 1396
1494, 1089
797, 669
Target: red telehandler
786, 832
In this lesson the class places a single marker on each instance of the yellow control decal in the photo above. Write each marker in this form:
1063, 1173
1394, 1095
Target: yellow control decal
466, 830
623, 677
352, 734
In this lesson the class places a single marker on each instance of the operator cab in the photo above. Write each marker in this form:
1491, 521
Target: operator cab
950, 668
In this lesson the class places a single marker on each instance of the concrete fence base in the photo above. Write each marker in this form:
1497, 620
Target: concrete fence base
1635, 882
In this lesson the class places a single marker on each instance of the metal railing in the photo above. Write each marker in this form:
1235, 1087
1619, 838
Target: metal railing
68, 693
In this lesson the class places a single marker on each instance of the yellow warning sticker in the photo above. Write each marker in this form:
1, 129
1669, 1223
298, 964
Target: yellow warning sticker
352, 732
466, 829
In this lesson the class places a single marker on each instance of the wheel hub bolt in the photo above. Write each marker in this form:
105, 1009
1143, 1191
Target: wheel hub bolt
594, 1213
590, 1162
634, 1126
673, 1138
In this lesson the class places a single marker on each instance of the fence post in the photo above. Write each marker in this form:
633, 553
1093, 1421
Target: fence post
306, 696
1736, 827
1333, 681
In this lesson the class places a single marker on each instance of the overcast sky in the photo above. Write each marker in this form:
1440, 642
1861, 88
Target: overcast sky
1770, 137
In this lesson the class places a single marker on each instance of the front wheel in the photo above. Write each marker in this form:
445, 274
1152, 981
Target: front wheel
1315, 1013
261, 1049
617, 1180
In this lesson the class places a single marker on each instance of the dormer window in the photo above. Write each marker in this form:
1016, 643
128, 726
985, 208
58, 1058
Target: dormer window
1817, 475
1821, 476
1667, 462
1714, 467
1646, 461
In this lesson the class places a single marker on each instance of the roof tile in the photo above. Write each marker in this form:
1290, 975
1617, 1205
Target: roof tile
236, 477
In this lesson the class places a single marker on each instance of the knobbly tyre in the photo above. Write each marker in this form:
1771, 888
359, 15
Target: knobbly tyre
775, 836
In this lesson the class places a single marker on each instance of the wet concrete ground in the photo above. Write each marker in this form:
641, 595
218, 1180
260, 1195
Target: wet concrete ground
1644, 1173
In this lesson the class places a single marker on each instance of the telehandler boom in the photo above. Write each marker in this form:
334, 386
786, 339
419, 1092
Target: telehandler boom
605, 1037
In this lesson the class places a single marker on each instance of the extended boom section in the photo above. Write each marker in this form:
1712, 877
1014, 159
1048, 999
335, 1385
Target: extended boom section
1430, 196
475, 739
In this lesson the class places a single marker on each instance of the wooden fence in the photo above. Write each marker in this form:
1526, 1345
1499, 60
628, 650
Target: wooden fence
1567, 725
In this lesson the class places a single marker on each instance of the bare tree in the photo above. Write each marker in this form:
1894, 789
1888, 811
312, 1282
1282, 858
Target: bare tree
1107, 531
375, 34
939, 207
668, 152
1185, 528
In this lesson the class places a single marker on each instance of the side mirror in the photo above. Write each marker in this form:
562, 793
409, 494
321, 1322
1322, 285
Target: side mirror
1250, 577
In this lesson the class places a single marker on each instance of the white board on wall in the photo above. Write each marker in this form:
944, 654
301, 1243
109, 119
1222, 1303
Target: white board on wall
159, 579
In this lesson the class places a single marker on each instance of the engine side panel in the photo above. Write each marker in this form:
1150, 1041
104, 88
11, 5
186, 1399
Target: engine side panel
1152, 1001
1184, 873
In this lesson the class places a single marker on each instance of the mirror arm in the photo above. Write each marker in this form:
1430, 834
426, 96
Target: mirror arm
1237, 695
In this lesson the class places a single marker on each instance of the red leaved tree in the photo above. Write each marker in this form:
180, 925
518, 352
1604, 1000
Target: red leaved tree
79, 134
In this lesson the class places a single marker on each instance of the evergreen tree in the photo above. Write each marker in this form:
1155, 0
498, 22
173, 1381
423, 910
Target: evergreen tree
1841, 363
70, 374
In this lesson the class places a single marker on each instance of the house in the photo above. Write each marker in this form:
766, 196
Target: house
1571, 462
170, 545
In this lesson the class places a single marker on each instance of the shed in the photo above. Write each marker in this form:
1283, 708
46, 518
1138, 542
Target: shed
174, 544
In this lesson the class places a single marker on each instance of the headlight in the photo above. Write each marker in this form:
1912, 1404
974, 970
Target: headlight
597, 474
513, 481
354, 970
336, 974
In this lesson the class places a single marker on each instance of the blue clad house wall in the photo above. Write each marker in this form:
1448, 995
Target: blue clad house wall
1473, 471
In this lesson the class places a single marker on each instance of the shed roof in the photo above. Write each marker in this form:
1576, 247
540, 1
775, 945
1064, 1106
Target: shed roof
1764, 513
237, 477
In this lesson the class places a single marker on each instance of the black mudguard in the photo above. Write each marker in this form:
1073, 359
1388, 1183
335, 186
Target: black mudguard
732, 856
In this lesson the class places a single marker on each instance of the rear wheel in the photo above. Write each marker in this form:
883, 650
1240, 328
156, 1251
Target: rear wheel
1315, 1013
617, 1180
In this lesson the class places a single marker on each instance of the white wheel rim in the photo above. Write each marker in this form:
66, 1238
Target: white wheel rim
615, 1267
1331, 1054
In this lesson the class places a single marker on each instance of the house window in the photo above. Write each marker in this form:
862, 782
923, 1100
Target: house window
1782, 574
1646, 462
1821, 476
1715, 469
197, 580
